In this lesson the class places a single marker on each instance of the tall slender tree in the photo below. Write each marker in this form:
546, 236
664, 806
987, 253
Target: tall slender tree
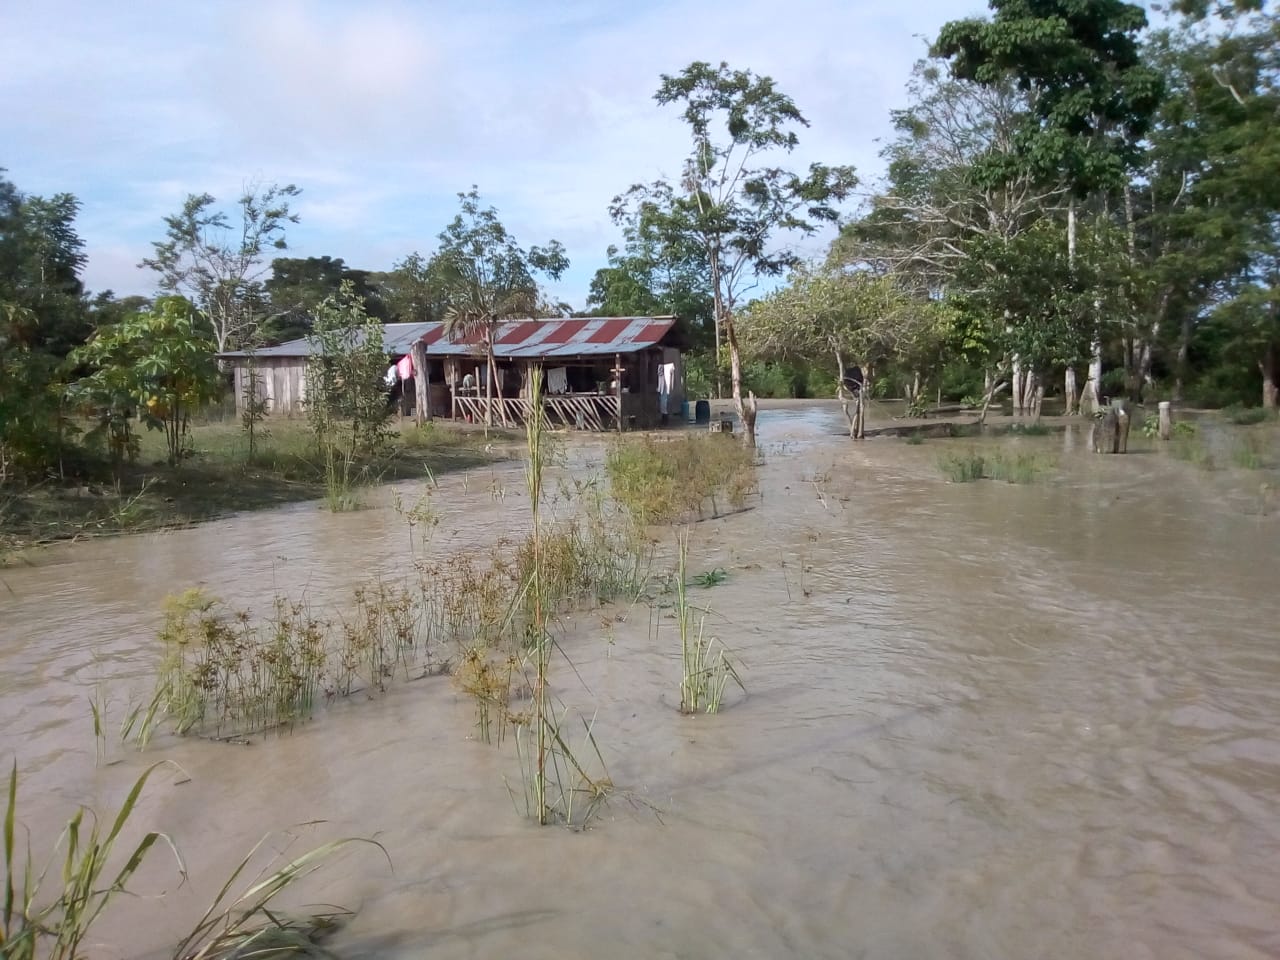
729, 201
487, 277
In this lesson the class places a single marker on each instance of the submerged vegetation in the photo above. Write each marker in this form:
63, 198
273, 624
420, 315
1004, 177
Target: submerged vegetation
705, 665
1011, 467
44, 921
671, 481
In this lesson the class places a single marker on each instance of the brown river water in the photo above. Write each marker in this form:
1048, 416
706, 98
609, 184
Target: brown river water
982, 721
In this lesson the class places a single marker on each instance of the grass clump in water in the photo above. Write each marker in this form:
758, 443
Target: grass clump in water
706, 668
53, 924
1015, 467
1248, 453
1247, 416
670, 481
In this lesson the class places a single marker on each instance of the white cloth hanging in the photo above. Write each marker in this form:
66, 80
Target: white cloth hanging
558, 380
390, 378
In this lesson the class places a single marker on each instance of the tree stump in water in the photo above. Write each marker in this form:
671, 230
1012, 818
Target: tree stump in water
1111, 430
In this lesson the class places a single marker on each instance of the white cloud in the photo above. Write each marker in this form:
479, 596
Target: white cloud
382, 111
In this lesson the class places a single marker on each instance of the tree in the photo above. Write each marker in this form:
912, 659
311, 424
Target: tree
650, 278
412, 291
1234, 76
346, 396
43, 315
932, 203
727, 202
156, 365
488, 277
219, 265
297, 287
858, 319
1093, 96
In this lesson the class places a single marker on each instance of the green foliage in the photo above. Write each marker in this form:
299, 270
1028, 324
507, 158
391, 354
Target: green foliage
39, 923
1248, 453
1248, 416
730, 203
219, 265
297, 287
1017, 467
706, 667
346, 395
668, 481
154, 366
1093, 95
711, 578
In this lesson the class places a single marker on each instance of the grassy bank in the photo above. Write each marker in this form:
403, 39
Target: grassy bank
219, 477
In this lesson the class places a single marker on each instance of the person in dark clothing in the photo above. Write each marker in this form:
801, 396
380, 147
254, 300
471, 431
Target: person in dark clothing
853, 380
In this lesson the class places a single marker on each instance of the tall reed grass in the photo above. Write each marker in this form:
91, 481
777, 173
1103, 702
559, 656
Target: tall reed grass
50, 915
706, 667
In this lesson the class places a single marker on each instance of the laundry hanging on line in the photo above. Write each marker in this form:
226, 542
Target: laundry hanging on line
405, 366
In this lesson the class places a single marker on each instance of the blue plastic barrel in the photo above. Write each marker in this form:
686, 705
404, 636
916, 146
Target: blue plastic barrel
702, 412
684, 410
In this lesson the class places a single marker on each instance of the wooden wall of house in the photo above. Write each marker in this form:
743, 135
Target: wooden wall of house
282, 382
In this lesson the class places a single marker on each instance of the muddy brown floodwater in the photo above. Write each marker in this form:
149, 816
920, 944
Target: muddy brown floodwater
983, 721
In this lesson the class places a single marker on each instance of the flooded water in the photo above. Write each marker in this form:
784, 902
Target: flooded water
982, 721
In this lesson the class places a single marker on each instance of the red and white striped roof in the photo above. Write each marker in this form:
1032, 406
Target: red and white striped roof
570, 337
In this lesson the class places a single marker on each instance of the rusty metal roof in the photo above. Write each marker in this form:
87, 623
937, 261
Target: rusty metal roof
516, 340
566, 337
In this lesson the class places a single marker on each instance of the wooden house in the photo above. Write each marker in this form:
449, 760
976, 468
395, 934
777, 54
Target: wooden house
282, 369
599, 373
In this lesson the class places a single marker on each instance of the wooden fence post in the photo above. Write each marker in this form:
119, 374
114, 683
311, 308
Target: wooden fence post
421, 383
1166, 420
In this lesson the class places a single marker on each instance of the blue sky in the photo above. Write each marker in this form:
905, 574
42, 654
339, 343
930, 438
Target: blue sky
382, 111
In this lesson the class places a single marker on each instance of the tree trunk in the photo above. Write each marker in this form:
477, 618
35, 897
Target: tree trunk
747, 406
1071, 392
1184, 349
421, 384
717, 316
1090, 399
1018, 381
1268, 365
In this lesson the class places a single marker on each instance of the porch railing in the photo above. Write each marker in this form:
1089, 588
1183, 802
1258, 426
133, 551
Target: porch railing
574, 411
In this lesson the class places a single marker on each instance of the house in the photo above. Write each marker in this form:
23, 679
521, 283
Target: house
599, 372
282, 369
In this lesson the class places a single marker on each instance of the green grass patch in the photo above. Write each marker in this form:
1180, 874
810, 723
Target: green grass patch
218, 477
1016, 467
669, 481
1248, 453
1248, 416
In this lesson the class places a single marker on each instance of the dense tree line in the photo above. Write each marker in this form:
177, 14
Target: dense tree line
1074, 204
1081, 201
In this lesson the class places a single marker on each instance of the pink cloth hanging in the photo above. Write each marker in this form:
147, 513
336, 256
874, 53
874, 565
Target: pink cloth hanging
405, 366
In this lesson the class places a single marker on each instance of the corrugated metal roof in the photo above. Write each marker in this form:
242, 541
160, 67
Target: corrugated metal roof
569, 337
517, 339
397, 338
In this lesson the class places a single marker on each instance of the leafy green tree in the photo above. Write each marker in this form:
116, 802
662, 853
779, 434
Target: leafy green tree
1234, 78
43, 315
488, 277
412, 290
647, 277
729, 201
157, 366
297, 286
346, 398
1093, 96
220, 265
